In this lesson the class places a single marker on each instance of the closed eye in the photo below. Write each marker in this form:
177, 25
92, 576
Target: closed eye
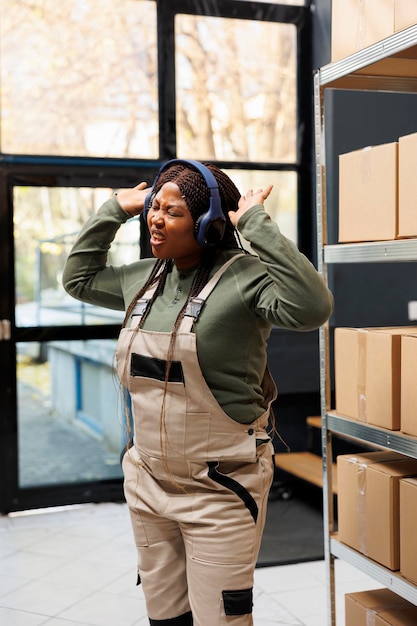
171, 211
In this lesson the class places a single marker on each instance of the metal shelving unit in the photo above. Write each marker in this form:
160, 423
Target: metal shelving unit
389, 65
376, 251
391, 580
381, 437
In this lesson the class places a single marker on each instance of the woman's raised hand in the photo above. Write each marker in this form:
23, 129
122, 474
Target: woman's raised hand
132, 200
249, 200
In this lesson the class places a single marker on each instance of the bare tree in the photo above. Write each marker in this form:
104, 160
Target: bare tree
237, 79
79, 78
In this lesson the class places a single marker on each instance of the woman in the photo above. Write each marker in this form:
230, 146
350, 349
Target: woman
192, 354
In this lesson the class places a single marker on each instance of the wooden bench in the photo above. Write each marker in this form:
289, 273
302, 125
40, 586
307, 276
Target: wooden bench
306, 465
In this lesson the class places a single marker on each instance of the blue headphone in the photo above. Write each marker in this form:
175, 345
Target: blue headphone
210, 226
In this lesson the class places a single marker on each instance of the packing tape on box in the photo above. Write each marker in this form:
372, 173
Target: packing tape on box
361, 508
360, 503
362, 376
371, 616
361, 30
366, 164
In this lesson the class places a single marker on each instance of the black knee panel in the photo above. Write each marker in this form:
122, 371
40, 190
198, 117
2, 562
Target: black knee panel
182, 620
238, 602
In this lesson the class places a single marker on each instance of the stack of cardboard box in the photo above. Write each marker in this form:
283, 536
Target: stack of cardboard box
369, 504
377, 509
379, 607
377, 491
357, 24
378, 192
375, 376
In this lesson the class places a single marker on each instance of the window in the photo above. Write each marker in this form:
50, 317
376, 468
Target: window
79, 78
236, 101
235, 89
42, 246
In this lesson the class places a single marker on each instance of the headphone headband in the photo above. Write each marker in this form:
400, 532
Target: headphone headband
210, 226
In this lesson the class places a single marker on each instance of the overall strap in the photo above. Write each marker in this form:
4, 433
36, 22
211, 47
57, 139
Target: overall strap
196, 304
141, 304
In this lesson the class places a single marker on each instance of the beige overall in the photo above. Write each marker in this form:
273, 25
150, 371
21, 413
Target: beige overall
198, 524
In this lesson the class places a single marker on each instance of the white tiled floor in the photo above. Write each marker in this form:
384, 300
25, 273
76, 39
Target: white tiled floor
76, 567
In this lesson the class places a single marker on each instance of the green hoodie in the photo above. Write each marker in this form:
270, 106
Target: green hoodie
275, 286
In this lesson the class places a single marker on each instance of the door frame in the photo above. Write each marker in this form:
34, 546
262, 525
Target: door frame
52, 172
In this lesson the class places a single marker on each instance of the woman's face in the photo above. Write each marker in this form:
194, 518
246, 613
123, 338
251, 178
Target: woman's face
172, 228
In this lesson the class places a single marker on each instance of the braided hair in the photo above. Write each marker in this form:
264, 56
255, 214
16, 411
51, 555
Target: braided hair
197, 196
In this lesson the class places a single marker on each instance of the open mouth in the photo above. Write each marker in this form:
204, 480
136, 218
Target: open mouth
156, 237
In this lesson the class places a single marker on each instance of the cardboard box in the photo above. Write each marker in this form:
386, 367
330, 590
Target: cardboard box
368, 503
400, 616
368, 374
357, 24
408, 423
350, 371
405, 14
363, 606
383, 377
351, 502
408, 535
368, 194
407, 185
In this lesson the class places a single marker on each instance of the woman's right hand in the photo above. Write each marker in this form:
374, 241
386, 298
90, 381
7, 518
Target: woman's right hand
248, 201
132, 200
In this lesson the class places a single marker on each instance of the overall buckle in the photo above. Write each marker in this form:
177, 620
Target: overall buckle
194, 308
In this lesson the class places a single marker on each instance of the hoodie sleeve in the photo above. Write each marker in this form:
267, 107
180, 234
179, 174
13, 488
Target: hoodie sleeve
292, 293
86, 276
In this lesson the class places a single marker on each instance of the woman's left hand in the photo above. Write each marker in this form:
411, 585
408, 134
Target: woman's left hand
247, 201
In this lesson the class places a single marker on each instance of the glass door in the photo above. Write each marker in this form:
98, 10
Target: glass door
78, 118
62, 423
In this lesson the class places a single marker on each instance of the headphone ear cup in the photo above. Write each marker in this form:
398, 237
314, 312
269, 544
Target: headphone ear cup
148, 203
208, 231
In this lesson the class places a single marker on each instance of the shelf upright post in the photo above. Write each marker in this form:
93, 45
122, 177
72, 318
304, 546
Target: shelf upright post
325, 390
